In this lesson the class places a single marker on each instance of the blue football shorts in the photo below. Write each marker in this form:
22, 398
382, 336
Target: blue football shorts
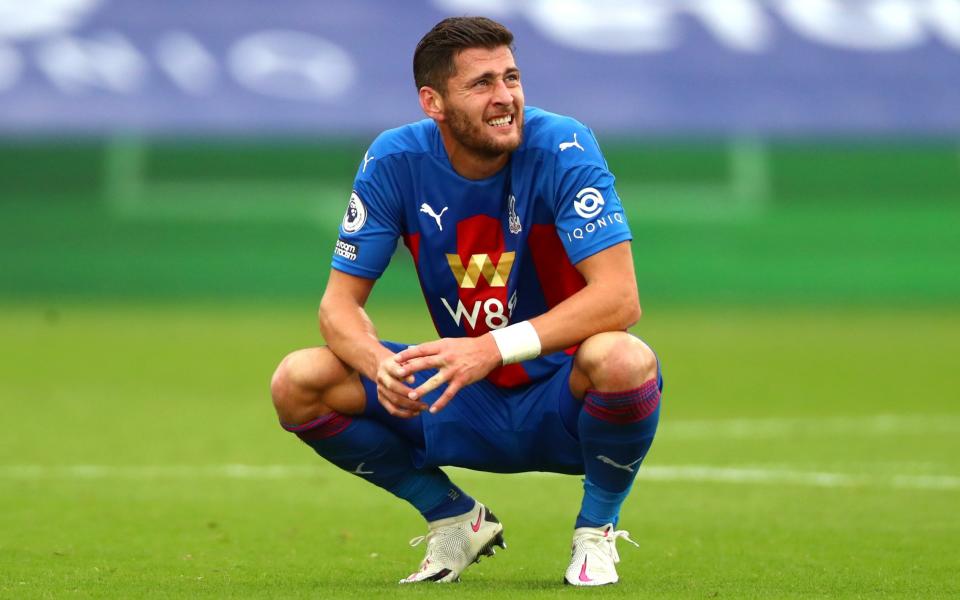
489, 428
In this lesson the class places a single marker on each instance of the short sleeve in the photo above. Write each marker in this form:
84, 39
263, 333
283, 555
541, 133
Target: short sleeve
588, 213
371, 224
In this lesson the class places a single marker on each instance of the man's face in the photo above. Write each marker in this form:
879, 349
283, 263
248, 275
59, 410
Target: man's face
483, 104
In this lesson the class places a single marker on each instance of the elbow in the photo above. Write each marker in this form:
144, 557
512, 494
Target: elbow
619, 308
324, 317
631, 312
628, 313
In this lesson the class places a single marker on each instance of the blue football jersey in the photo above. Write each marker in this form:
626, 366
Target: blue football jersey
488, 252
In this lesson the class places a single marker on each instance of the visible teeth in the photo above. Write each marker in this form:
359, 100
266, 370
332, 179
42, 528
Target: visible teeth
501, 121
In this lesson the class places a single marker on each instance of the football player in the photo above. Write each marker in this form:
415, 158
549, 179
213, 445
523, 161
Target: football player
523, 253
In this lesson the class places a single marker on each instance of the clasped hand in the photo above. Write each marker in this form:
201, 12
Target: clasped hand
458, 361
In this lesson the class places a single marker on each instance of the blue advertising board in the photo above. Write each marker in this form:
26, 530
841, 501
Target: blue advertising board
764, 67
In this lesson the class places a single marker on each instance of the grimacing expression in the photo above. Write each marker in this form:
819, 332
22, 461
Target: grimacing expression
484, 102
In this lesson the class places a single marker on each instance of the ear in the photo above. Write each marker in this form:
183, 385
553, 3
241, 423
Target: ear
431, 102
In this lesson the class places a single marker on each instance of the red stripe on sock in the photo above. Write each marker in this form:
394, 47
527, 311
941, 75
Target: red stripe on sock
624, 407
325, 426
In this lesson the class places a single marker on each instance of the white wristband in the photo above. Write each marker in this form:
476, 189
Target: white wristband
517, 343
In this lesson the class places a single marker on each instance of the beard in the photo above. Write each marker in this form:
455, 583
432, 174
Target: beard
475, 138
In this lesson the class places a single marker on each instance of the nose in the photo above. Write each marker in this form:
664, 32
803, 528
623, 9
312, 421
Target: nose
501, 93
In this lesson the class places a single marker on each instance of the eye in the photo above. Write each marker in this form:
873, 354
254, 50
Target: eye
481, 83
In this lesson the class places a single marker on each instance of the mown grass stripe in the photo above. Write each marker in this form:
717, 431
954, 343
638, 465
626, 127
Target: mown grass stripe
673, 473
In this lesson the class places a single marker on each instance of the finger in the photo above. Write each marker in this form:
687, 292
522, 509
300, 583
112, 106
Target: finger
427, 349
393, 410
400, 400
394, 385
396, 411
445, 397
397, 371
415, 365
429, 385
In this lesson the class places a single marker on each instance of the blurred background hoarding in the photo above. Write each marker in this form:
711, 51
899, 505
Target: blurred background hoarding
800, 67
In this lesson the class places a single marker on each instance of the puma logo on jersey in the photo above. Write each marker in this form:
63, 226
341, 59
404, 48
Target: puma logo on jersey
367, 160
612, 463
573, 144
426, 208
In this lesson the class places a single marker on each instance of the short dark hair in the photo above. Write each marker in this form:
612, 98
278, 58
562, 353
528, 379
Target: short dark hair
433, 61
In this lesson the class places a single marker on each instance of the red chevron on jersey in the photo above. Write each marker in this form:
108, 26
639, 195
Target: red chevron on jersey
558, 278
482, 268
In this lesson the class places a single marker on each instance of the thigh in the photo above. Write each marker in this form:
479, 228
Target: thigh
309, 382
506, 430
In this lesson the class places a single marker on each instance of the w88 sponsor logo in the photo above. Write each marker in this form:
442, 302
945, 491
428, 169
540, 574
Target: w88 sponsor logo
480, 270
492, 311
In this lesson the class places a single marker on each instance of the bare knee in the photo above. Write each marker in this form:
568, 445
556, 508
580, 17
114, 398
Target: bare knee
302, 381
614, 361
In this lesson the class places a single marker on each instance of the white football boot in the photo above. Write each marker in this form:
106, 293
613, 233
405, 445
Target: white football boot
594, 557
454, 543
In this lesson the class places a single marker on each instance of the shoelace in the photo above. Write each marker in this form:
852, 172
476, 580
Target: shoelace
611, 541
430, 535
613, 537
419, 539
416, 542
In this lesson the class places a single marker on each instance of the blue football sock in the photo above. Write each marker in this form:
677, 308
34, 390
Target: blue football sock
616, 430
370, 450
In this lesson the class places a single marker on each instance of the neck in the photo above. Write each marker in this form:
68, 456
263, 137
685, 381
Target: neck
468, 163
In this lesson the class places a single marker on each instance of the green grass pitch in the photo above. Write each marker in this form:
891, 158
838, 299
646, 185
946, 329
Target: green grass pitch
802, 453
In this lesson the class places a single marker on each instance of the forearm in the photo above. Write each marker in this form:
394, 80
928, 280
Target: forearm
351, 335
594, 309
608, 302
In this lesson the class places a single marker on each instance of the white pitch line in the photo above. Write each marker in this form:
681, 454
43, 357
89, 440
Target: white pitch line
807, 478
875, 425
677, 473
148, 472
